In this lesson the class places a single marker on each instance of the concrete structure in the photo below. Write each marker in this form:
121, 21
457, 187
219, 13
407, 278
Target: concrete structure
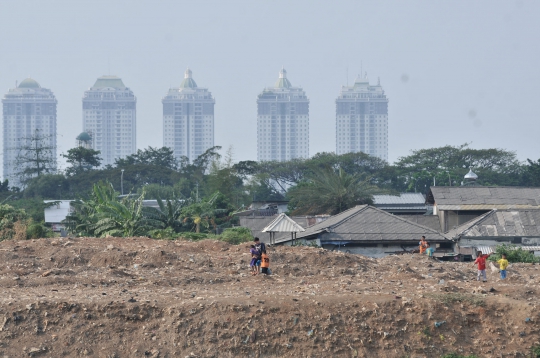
372, 232
110, 118
362, 119
28, 111
55, 214
520, 227
456, 205
188, 119
282, 122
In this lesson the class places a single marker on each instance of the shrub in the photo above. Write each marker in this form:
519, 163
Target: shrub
535, 351
513, 253
236, 235
37, 230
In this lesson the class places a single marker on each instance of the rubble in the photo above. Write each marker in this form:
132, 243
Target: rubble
139, 297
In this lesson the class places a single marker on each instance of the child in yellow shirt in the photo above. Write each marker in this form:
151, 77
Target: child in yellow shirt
503, 262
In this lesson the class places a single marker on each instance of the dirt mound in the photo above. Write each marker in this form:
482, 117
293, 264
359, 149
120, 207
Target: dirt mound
138, 297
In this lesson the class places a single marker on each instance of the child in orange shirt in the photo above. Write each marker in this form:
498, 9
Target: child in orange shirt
265, 263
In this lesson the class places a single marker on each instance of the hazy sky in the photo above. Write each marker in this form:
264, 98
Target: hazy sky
454, 71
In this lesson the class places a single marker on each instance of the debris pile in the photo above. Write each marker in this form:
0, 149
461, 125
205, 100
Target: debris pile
140, 297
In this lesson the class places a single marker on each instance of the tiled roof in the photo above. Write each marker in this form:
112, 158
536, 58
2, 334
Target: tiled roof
367, 223
431, 221
483, 198
501, 223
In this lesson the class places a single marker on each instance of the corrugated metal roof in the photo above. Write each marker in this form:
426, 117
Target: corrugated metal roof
257, 223
481, 207
367, 223
486, 250
403, 198
501, 223
464, 196
283, 223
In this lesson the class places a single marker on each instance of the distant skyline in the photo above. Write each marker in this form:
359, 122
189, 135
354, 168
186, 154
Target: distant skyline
454, 71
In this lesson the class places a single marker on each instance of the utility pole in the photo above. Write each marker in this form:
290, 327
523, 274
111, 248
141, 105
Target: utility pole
122, 182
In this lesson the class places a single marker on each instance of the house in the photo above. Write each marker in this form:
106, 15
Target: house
55, 212
372, 232
403, 203
265, 208
511, 226
456, 205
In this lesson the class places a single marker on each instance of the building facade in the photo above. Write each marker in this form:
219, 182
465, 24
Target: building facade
110, 118
29, 114
362, 119
282, 122
188, 119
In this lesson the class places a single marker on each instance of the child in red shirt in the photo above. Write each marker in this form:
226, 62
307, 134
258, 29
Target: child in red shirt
481, 262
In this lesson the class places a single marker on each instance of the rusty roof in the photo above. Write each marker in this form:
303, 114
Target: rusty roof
501, 223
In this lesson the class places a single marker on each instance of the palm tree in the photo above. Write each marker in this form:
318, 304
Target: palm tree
202, 213
328, 191
105, 215
170, 213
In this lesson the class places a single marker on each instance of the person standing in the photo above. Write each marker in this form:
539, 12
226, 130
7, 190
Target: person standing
503, 264
265, 263
261, 248
423, 244
481, 262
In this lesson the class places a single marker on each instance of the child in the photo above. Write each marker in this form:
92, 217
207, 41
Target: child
430, 250
481, 262
265, 263
254, 257
503, 262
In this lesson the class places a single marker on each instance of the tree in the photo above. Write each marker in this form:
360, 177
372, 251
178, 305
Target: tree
35, 156
12, 223
81, 159
202, 213
449, 164
51, 186
330, 191
170, 213
161, 157
531, 175
105, 215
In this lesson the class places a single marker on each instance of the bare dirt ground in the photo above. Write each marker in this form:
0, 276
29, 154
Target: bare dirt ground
138, 297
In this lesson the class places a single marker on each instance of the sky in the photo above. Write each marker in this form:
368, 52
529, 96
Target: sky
454, 71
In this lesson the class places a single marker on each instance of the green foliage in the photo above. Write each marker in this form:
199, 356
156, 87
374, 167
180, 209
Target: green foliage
12, 222
106, 215
531, 175
53, 186
513, 253
330, 191
38, 230
535, 351
159, 157
449, 164
81, 159
203, 214
236, 235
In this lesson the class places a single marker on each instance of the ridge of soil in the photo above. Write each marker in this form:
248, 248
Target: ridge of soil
137, 297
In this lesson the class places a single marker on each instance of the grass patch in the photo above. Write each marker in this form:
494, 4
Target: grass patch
451, 298
535, 351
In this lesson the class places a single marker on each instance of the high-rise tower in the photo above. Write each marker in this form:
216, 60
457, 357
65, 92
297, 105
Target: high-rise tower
188, 119
282, 122
109, 116
362, 119
29, 111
